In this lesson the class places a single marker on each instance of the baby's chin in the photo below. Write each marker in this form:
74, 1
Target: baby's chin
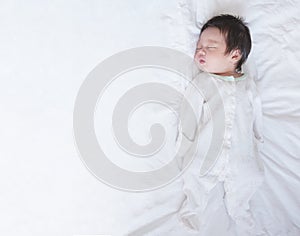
207, 69
204, 68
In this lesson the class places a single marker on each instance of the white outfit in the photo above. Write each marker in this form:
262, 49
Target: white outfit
239, 166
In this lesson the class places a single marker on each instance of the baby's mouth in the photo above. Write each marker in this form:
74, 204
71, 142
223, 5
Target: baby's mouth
202, 61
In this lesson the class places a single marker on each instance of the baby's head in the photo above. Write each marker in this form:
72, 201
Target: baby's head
223, 46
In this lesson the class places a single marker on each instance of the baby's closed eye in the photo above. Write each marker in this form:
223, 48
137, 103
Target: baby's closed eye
208, 47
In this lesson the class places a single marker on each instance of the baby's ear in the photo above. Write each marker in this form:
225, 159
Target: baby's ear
236, 55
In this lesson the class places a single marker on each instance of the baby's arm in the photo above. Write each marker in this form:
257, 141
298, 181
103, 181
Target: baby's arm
188, 120
258, 115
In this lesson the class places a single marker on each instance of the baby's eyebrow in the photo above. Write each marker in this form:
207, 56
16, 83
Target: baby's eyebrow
213, 41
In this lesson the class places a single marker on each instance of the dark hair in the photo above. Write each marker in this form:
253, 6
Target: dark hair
236, 33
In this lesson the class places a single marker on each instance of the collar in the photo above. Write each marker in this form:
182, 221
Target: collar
229, 77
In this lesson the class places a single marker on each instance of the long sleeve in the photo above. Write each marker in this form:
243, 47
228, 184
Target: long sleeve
258, 115
190, 111
257, 124
188, 120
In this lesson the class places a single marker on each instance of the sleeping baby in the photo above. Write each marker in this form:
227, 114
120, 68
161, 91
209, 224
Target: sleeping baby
223, 46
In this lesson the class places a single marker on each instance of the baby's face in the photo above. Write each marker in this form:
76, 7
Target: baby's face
210, 53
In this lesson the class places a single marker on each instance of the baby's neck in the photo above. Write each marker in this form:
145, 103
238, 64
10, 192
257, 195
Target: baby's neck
234, 74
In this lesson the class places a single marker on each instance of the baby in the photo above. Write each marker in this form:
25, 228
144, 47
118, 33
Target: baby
223, 46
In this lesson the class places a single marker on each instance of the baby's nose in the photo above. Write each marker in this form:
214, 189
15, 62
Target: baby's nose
201, 51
